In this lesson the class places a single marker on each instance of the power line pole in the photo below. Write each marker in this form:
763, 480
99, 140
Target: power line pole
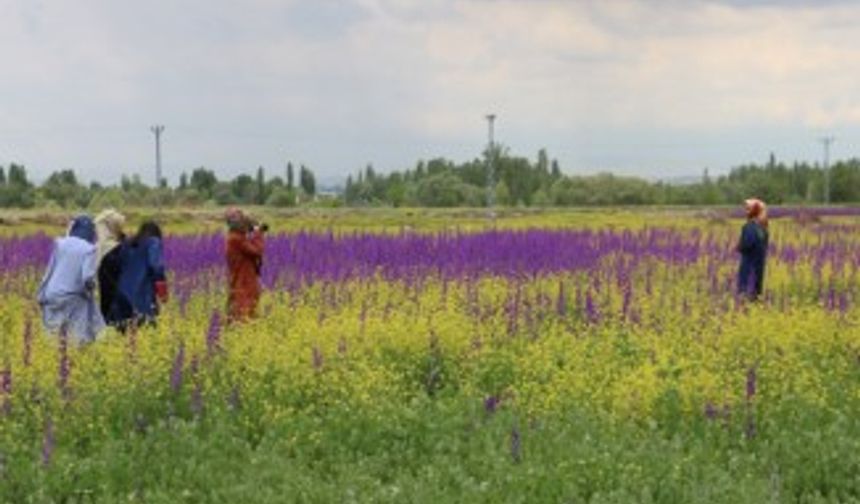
826, 141
157, 130
491, 151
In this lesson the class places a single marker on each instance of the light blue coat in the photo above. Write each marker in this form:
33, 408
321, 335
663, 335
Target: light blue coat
66, 292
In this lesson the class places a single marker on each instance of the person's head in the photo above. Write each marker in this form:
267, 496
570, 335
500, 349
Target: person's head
109, 224
237, 220
148, 229
756, 210
83, 227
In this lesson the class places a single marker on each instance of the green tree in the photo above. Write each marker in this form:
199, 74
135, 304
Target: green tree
17, 192
261, 186
204, 182
555, 172
62, 188
18, 176
290, 180
442, 189
502, 194
307, 181
282, 197
395, 190
244, 189
845, 182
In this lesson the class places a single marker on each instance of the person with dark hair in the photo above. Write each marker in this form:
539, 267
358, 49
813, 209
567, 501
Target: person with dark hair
142, 281
752, 247
66, 292
111, 237
244, 251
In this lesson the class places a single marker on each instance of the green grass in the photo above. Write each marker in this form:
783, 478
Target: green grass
443, 450
202, 220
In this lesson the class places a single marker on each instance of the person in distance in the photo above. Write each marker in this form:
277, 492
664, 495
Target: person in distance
142, 280
244, 253
109, 225
752, 247
66, 292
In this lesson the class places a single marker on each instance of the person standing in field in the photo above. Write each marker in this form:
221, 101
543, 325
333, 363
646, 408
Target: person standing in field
142, 281
752, 247
244, 252
66, 292
111, 237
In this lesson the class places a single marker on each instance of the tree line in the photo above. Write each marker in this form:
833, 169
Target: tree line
63, 189
498, 176
519, 181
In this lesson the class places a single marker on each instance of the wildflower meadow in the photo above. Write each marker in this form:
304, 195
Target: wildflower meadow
555, 360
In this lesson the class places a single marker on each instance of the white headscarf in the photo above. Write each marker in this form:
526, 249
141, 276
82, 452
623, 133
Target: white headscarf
109, 229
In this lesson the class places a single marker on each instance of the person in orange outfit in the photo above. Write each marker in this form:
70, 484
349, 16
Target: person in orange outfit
245, 247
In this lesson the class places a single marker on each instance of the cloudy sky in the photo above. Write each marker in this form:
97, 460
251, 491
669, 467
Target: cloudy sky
652, 88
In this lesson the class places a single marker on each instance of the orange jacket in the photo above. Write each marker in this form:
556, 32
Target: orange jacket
244, 259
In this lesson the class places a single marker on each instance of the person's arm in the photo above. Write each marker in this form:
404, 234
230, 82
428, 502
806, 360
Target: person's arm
89, 269
253, 245
154, 259
156, 269
49, 272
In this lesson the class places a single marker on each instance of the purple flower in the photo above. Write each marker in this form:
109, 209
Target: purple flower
197, 391
64, 364
591, 313
711, 411
516, 444
751, 383
28, 342
234, 401
491, 404
749, 428
213, 334
843, 303
317, 358
625, 305
561, 301
6, 390
48, 442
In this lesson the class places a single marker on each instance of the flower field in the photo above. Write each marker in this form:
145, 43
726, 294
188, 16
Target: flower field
528, 364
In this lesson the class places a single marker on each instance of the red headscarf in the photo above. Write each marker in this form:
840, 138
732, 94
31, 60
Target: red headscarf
757, 210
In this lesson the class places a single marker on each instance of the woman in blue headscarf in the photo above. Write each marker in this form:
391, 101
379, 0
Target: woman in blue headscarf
66, 292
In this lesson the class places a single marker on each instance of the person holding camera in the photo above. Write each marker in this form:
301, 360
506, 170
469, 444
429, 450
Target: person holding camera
244, 250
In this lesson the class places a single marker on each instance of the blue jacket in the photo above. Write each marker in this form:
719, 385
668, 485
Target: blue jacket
141, 266
753, 249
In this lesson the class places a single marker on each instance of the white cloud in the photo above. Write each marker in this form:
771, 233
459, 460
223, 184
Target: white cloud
337, 84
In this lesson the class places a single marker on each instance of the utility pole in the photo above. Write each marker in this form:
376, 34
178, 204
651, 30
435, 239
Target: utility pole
826, 141
491, 186
157, 130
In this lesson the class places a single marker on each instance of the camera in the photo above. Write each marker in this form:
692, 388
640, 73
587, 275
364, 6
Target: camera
262, 226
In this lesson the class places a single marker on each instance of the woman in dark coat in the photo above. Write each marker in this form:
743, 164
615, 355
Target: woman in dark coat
111, 237
753, 249
142, 281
